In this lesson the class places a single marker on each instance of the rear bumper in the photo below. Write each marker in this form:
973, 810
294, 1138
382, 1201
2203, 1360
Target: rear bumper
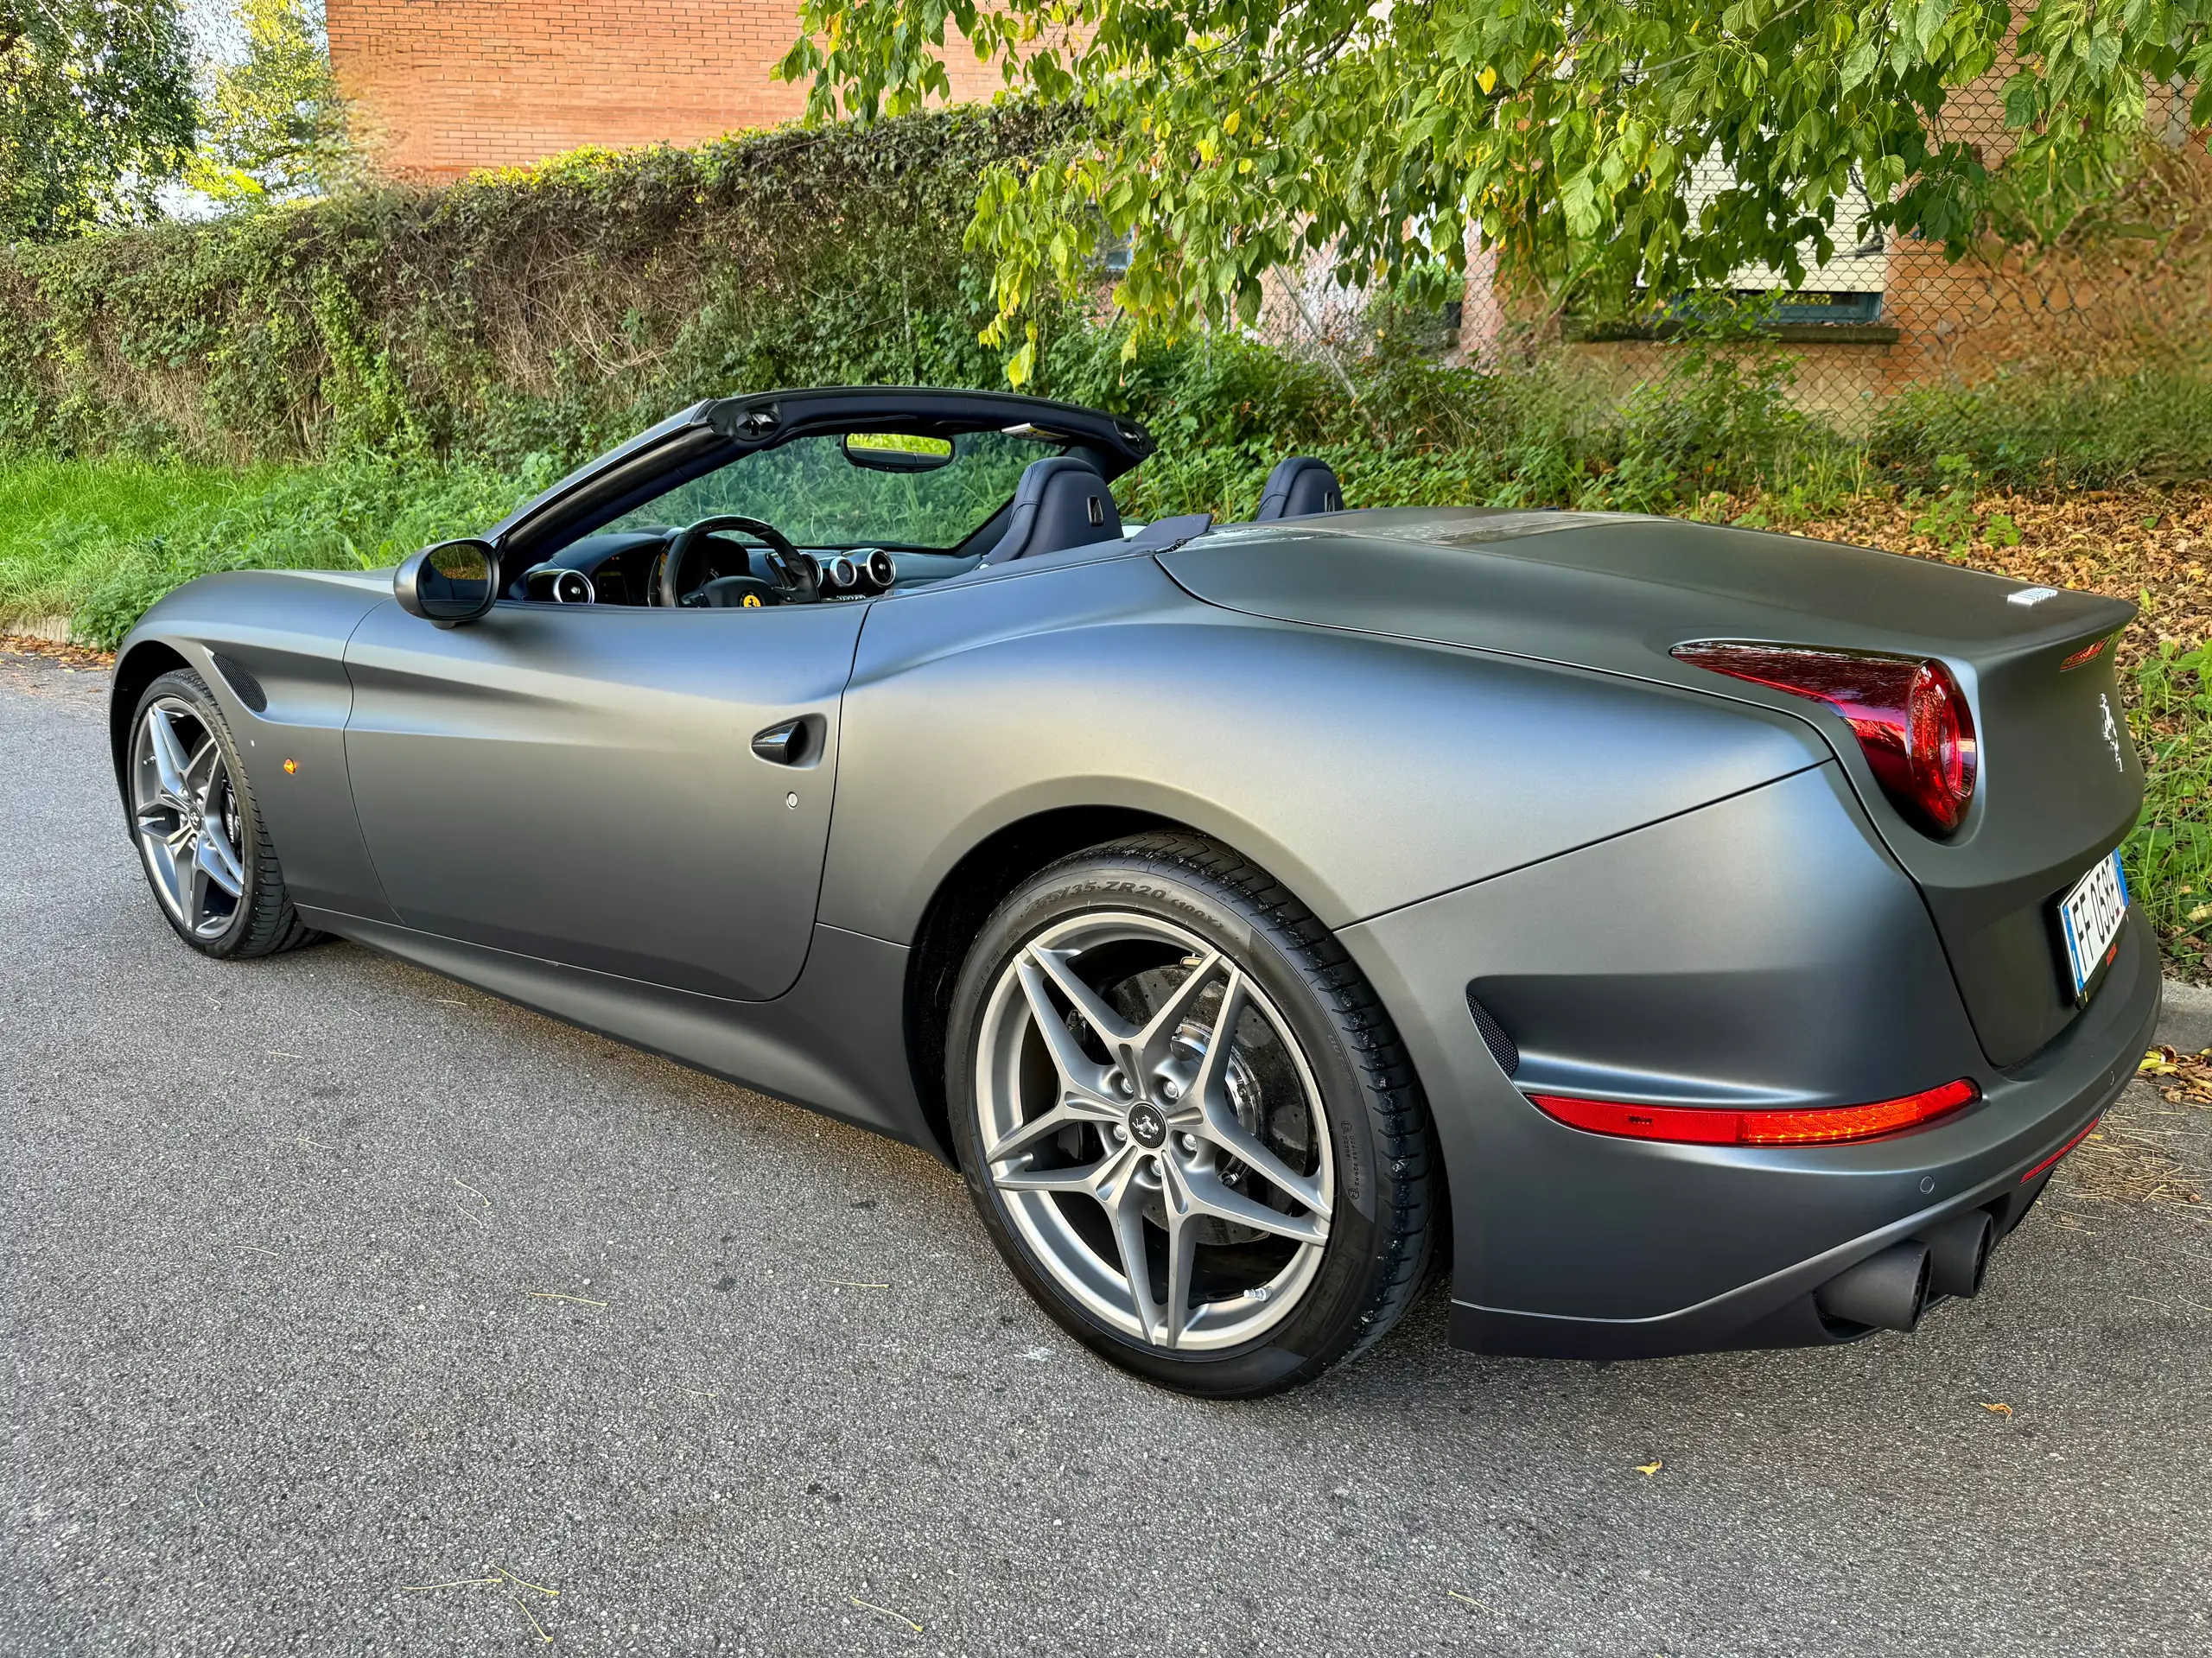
1777, 1311
1577, 1245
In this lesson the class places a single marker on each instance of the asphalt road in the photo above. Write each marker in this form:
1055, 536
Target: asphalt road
275, 1254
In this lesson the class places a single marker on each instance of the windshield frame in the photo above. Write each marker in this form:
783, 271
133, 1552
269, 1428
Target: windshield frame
811, 489
710, 435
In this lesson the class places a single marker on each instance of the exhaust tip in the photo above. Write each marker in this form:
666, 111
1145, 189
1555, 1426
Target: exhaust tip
1888, 1291
1958, 1253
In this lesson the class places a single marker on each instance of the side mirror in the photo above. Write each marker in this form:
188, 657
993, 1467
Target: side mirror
449, 584
898, 451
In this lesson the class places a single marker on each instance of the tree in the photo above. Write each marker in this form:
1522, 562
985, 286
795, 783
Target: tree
96, 112
276, 125
1226, 137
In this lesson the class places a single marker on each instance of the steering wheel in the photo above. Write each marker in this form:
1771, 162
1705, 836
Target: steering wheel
791, 568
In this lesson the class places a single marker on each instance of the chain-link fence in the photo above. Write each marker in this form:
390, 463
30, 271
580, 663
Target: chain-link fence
1885, 315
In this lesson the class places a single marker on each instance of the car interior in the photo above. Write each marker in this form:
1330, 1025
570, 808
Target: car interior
890, 510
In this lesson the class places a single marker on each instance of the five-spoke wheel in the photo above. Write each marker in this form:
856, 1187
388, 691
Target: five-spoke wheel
1167, 1160
1160, 1069
198, 831
185, 814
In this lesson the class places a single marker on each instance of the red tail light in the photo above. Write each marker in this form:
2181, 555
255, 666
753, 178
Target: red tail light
1705, 1125
1910, 715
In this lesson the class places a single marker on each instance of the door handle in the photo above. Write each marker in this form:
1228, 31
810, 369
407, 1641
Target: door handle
786, 744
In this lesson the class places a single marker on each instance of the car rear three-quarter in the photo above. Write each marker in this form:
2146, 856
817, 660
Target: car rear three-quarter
1780, 1068
1719, 934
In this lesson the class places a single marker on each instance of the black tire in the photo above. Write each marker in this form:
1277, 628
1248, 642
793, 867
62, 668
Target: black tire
1380, 1233
263, 920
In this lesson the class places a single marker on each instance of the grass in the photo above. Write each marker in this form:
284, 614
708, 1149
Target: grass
2169, 856
63, 523
100, 541
2151, 423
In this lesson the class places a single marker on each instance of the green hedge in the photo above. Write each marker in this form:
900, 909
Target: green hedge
551, 309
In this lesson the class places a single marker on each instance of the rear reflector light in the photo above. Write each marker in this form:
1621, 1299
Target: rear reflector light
2049, 1161
1908, 715
1702, 1125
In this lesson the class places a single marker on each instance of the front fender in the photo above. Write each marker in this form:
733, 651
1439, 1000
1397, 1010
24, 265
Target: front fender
270, 645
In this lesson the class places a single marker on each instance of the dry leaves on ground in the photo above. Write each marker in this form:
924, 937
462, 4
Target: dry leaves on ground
70, 655
2153, 547
2144, 1153
2185, 1078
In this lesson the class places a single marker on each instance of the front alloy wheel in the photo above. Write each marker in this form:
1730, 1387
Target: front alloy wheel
1186, 1120
198, 831
187, 817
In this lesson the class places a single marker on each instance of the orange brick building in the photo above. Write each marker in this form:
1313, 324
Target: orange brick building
441, 87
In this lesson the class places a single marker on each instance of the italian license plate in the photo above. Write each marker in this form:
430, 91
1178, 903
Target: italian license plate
2089, 918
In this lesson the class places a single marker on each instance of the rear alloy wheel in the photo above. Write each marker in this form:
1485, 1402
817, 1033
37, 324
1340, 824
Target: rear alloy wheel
1185, 1120
209, 865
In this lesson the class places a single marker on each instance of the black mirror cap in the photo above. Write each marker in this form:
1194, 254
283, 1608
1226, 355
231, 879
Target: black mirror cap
450, 583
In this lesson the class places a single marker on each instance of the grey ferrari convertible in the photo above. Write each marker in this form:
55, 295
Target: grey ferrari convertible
1687, 938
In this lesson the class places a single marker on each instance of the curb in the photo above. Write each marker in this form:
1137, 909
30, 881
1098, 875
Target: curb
2185, 1021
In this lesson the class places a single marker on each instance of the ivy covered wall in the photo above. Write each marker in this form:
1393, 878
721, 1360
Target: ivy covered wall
547, 310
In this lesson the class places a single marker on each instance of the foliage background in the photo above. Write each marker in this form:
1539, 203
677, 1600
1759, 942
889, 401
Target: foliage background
553, 307
96, 111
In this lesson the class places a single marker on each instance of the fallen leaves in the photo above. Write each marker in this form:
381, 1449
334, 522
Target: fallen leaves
27, 644
2183, 1078
1648, 1469
1997, 1409
2147, 1153
2149, 547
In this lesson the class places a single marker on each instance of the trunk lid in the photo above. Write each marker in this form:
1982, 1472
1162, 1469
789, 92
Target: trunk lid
2060, 783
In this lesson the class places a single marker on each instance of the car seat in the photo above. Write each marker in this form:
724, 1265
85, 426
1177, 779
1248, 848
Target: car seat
1060, 502
1298, 488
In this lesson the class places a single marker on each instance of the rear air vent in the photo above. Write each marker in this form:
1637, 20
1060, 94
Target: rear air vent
241, 680
1502, 1046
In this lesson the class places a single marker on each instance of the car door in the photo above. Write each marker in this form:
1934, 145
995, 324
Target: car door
578, 783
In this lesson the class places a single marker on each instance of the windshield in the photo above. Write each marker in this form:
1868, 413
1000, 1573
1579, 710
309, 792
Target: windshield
809, 489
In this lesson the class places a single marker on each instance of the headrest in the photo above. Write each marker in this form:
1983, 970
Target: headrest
1299, 486
1060, 502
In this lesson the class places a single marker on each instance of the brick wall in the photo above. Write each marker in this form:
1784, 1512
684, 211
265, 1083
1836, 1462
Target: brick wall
442, 86
2067, 309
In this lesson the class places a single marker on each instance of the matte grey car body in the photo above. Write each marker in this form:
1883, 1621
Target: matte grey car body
1459, 736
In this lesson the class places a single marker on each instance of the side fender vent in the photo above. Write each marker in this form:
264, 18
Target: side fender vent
240, 679
1501, 1047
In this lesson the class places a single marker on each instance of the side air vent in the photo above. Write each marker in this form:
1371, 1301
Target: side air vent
1502, 1046
240, 679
